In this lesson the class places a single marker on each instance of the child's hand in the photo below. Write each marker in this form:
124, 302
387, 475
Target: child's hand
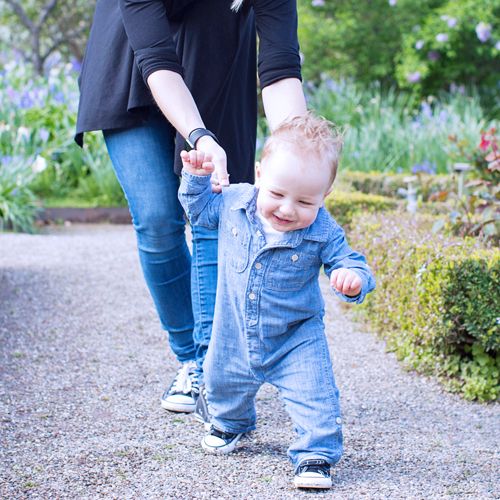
346, 281
197, 162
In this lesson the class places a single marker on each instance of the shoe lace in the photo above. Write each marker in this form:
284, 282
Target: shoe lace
316, 466
186, 380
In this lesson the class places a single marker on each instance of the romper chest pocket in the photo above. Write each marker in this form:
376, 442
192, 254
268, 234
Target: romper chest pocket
290, 270
236, 247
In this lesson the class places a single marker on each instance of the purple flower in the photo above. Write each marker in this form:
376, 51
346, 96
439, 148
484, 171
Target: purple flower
442, 37
497, 45
483, 32
59, 98
44, 134
433, 55
6, 160
27, 101
414, 77
392, 3
426, 167
426, 110
419, 44
332, 85
450, 21
76, 65
318, 3
459, 89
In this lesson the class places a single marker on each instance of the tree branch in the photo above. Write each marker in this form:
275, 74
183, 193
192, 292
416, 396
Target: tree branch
49, 7
21, 13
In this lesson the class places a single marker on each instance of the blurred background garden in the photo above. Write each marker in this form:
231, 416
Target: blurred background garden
416, 86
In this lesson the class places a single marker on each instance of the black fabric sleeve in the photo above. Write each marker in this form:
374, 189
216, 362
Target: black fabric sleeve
149, 35
279, 57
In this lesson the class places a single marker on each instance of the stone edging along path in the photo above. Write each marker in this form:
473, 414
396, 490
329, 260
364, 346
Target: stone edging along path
113, 215
83, 363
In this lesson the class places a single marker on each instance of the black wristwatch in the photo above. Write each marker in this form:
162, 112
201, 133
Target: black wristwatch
196, 134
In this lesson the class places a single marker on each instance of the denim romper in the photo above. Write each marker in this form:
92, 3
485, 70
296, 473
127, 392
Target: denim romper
268, 323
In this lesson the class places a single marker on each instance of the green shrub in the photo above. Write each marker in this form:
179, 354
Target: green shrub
437, 302
390, 131
17, 202
344, 206
385, 184
455, 43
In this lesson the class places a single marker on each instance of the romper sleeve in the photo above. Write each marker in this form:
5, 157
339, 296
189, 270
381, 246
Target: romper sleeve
337, 253
279, 58
150, 36
202, 207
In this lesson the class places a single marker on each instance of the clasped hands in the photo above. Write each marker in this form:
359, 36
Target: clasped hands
197, 162
208, 159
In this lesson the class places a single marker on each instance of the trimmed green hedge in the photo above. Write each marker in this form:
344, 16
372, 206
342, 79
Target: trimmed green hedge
345, 205
429, 186
437, 302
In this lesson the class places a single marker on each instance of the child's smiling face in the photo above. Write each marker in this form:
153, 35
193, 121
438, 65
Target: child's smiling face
290, 191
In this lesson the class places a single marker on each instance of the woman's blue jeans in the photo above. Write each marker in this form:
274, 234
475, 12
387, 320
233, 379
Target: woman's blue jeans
183, 289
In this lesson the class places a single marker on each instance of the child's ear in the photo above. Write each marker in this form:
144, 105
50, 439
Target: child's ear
330, 189
257, 173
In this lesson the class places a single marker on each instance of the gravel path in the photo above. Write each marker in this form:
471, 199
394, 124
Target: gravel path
83, 363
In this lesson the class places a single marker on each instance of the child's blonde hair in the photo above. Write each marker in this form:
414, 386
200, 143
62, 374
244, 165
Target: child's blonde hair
308, 135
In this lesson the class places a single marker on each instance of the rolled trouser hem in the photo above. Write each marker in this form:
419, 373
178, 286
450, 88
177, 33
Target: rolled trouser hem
232, 430
331, 459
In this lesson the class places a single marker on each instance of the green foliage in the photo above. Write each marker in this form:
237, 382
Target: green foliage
344, 205
437, 301
457, 42
390, 131
37, 120
424, 46
17, 202
356, 39
429, 186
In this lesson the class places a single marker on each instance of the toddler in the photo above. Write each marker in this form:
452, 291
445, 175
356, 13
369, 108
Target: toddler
268, 324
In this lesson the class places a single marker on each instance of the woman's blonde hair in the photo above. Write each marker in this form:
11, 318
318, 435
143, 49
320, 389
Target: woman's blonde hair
236, 4
308, 135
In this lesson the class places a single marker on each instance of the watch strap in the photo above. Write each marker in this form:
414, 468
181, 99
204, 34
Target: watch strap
198, 133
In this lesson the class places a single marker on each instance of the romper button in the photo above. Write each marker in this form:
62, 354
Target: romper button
234, 231
258, 265
251, 296
258, 233
338, 420
295, 257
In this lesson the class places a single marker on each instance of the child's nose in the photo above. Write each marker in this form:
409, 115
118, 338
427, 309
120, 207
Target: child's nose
287, 209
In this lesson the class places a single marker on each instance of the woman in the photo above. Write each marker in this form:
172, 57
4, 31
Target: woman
156, 72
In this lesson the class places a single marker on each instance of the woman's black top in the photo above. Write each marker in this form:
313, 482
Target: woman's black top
213, 48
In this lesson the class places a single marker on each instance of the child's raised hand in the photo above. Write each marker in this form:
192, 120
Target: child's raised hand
197, 162
346, 281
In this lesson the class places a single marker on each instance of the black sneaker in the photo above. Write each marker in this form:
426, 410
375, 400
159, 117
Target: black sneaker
182, 393
217, 441
314, 473
201, 412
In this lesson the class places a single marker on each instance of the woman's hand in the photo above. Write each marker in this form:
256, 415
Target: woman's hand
220, 177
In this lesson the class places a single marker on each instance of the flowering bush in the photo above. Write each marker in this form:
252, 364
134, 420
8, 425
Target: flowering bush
37, 123
391, 131
457, 43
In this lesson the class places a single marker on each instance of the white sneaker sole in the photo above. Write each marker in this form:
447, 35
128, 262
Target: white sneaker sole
227, 448
312, 482
177, 407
